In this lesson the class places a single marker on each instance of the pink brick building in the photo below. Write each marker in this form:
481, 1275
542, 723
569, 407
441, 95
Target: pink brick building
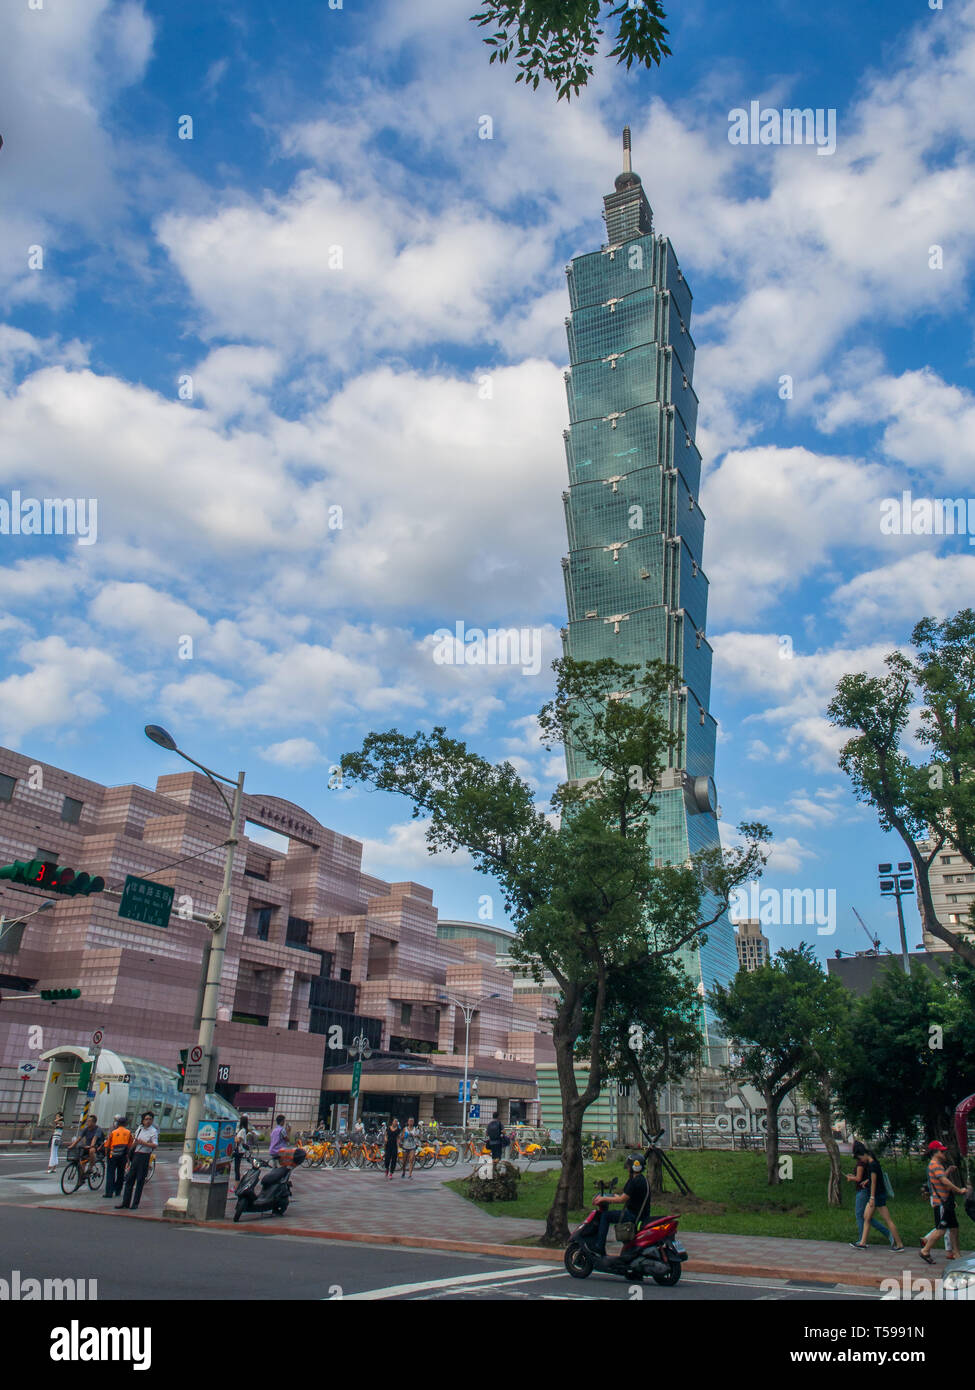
317, 951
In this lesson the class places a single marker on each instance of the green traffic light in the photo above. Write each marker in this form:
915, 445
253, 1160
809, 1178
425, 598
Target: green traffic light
59, 880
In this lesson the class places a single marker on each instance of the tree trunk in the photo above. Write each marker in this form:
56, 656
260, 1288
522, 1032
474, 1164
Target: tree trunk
772, 1103
569, 1190
834, 1190
651, 1123
557, 1221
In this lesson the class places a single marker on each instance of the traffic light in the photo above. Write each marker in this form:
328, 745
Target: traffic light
184, 1053
40, 873
53, 994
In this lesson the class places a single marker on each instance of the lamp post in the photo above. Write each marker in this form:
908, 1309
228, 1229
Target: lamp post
213, 967
468, 1010
360, 1047
898, 885
16, 921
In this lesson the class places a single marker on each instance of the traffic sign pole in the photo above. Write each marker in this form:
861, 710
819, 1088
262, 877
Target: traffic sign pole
23, 1083
96, 1048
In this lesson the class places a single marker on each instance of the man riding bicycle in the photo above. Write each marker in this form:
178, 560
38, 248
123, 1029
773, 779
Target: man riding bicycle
88, 1143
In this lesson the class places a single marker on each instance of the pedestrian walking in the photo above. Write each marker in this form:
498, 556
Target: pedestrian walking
117, 1150
877, 1202
145, 1142
410, 1142
57, 1134
279, 1139
391, 1151
495, 1137
943, 1192
861, 1176
242, 1145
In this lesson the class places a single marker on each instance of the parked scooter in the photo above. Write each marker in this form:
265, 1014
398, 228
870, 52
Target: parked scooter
265, 1188
654, 1250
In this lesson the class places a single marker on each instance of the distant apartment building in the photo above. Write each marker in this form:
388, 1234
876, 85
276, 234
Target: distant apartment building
753, 947
952, 881
318, 952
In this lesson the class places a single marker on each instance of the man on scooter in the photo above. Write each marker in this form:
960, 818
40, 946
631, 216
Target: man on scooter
634, 1199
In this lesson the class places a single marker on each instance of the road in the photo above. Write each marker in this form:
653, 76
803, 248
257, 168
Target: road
157, 1261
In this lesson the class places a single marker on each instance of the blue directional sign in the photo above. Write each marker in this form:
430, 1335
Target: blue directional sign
460, 1092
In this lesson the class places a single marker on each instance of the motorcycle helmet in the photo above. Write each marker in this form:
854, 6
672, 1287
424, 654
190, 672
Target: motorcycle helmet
634, 1164
299, 1157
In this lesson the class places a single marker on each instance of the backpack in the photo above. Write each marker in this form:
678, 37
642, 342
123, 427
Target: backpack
495, 1131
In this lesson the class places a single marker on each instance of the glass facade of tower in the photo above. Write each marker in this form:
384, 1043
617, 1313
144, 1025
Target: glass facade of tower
635, 586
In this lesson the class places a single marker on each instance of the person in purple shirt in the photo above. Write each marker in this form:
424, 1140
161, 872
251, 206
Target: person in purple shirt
279, 1138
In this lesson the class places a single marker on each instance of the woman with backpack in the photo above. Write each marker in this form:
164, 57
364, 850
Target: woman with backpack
876, 1202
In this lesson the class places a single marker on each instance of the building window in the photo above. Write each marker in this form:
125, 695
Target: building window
7, 785
405, 1015
71, 810
297, 934
259, 922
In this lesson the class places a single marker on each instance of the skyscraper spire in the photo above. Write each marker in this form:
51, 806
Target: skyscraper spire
627, 211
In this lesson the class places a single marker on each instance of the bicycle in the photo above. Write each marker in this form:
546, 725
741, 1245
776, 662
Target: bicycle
447, 1153
597, 1152
80, 1169
530, 1149
474, 1149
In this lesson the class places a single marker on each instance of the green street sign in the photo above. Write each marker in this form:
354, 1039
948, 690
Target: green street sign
356, 1077
84, 1076
145, 901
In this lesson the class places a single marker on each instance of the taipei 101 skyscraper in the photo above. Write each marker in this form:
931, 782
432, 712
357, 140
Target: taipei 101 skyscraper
634, 581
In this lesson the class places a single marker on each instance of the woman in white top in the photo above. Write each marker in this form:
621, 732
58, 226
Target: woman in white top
242, 1144
409, 1143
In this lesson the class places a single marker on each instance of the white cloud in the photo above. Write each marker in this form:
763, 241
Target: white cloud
792, 695
405, 847
292, 752
899, 594
776, 516
66, 685
928, 423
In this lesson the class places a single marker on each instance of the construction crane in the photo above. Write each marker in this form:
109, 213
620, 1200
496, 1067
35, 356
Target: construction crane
874, 941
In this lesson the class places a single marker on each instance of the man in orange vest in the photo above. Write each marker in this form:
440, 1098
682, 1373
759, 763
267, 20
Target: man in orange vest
117, 1147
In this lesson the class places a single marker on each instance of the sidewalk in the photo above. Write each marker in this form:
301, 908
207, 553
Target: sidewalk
423, 1212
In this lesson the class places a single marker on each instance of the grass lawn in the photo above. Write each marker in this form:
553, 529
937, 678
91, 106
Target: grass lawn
730, 1195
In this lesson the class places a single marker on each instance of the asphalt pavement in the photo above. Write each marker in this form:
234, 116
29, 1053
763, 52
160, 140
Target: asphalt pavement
158, 1261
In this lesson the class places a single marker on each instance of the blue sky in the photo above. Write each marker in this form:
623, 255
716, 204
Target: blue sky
417, 385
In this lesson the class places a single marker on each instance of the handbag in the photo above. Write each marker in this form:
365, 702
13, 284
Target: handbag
625, 1231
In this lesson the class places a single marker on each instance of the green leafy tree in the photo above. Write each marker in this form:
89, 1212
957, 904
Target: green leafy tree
779, 1018
650, 1033
931, 805
578, 891
556, 40
908, 1054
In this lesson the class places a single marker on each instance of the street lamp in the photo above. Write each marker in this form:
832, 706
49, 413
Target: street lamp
213, 967
898, 885
16, 921
468, 1010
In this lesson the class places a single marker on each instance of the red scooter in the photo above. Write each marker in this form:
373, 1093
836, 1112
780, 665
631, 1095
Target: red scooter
654, 1250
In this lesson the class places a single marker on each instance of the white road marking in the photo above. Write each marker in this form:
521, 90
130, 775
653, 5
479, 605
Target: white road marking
395, 1290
